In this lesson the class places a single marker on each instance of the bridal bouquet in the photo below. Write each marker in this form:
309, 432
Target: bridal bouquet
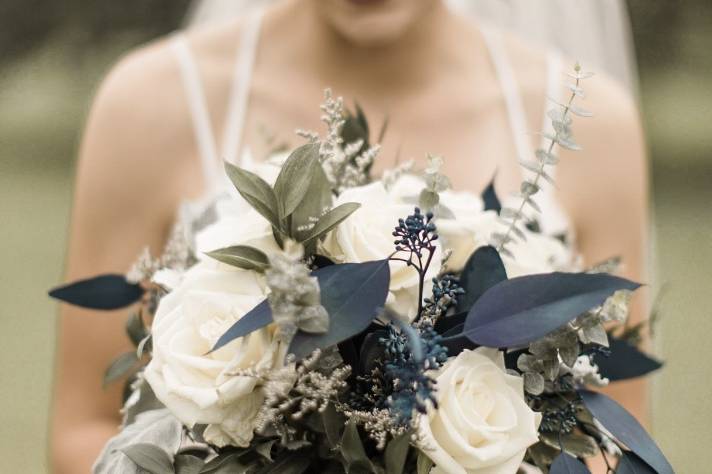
327, 321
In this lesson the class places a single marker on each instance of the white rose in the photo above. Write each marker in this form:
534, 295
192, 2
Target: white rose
201, 388
482, 424
368, 235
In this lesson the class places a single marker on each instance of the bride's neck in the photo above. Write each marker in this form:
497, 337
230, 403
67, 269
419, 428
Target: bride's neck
406, 61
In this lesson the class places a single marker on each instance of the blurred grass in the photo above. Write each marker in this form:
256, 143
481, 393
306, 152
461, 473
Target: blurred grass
44, 98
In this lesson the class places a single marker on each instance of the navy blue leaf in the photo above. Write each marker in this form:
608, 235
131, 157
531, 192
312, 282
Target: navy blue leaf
630, 463
625, 361
455, 341
491, 201
483, 270
353, 294
105, 292
446, 323
259, 317
567, 464
624, 427
515, 312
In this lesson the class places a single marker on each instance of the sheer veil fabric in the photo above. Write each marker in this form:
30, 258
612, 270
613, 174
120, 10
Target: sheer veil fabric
595, 32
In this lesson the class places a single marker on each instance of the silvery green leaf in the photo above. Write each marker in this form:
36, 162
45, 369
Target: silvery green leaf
577, 90
294, 178
256, 192
532, 203
150, 458
561, 128
559, 115
331, 219
524, 362
188, 464
551, 368
428, 199
242, 256
534, 383
594, 335
543, 455
580, 75
315, 202
120, 367
529, 188
141, 400
574, 444
509, 213
144, 345
569, 354
135, 328
396, 454
567, 143
547, 157
225, 464
580, 111
158, 428
532, 166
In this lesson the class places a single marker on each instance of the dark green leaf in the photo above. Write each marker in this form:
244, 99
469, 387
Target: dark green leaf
105, 292
353, 294
516, 312
256, 192
333, 422
491, 201
351, 446
150, 458
483, 270
630, 463
259, 317
265, 449
135, 328
372, 350
120, 367
331, 219
625, 361
188, 464
624, 427
566, 464
289, 463
579, 445
293, 181
396, 454
241, 256
225, 464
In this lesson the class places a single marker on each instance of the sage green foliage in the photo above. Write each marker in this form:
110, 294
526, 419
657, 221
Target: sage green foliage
298, 207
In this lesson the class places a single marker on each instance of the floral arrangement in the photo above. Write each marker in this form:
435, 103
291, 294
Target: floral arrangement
327, 321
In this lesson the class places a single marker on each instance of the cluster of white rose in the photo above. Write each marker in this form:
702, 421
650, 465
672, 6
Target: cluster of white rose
482, 423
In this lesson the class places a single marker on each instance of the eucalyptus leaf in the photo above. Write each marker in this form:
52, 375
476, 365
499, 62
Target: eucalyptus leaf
515, 312
265, 449
626, 429
353, 294
333, 422
351, 446
331, 219
188, 464
256, 192
120, 367
483, 270
135, 328
424, 464
241, 256
490, 198
396, 454
259, 317
150, 458
290, 463
104, 292
579, 445
428, 199
630, 463
567, 464
625, 361
228, 463
315, 202
294, 178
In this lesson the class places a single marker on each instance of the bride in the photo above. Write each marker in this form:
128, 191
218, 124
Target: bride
170, 112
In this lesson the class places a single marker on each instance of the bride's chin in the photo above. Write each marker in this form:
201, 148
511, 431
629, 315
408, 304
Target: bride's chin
371, 23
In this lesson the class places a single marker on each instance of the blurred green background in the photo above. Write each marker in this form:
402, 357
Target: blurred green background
51, 63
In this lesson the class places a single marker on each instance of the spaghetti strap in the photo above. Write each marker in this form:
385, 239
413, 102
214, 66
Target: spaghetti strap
240, 92
198, 110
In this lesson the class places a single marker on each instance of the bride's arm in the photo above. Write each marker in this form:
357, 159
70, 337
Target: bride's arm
130, 176
607, 187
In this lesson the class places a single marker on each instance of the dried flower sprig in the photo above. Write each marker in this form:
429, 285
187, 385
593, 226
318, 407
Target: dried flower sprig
561, 123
